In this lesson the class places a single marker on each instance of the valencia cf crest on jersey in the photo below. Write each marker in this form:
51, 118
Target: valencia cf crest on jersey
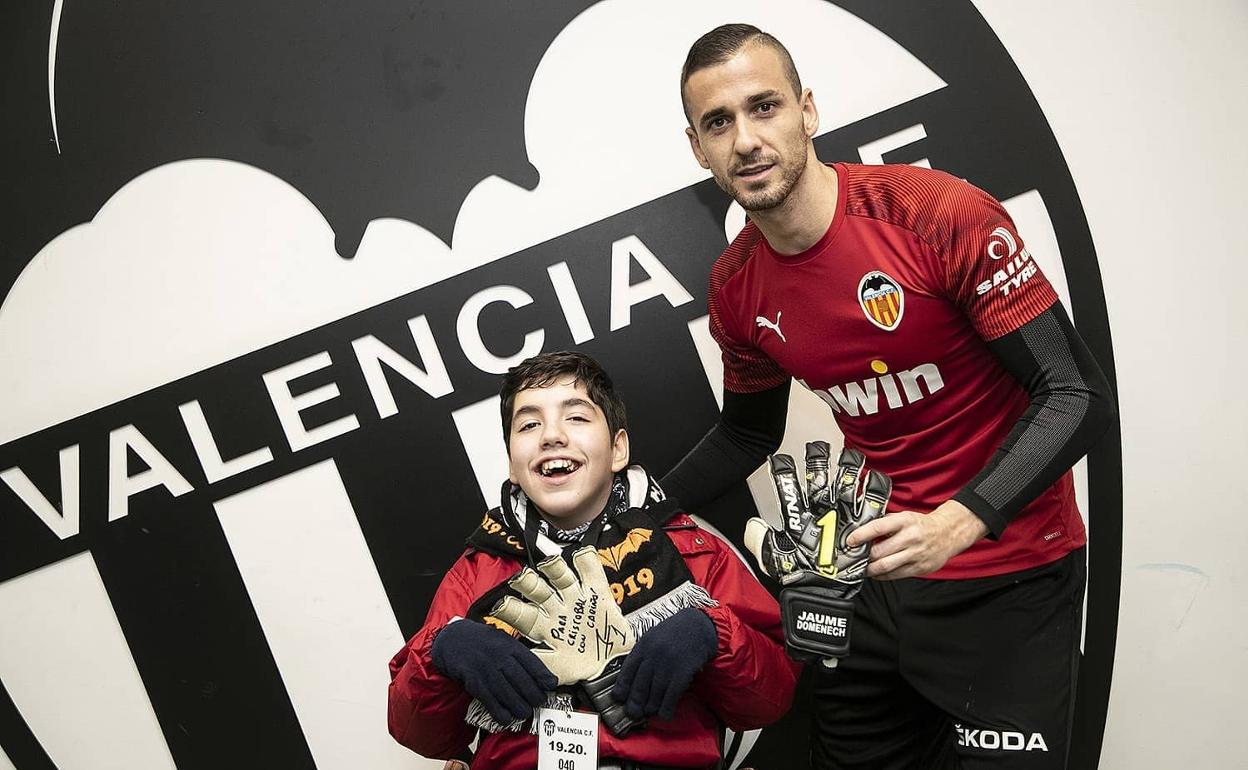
882, 299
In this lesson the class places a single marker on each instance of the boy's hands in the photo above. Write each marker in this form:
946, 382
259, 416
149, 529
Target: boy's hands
580, 623
662, 664
494, 667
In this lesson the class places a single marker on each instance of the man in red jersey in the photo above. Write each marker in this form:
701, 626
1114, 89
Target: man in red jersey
905, 299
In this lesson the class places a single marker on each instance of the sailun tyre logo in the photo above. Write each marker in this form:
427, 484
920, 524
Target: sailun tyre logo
881, 299
1001, 244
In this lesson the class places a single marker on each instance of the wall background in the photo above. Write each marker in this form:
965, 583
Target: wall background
173, 257
1144, 100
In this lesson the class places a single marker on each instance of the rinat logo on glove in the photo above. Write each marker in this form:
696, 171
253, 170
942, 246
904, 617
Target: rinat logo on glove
791, 499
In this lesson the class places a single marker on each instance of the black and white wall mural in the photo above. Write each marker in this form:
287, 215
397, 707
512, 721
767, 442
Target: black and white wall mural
263, 263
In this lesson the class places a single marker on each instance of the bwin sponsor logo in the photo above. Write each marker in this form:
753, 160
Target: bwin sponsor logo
900, 389
1004, 740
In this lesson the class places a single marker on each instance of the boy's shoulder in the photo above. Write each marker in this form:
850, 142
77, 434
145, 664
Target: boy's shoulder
496, 535
690, 537
492, 551
477, 571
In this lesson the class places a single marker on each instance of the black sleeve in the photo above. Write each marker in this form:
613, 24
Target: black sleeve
1071, 407
750, 428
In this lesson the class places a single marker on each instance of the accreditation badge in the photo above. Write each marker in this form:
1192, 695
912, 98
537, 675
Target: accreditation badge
567, 740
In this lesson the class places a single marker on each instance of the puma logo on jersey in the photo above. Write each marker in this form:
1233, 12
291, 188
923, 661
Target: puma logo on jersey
1003, 740
766, 323
1015, 273
898, 390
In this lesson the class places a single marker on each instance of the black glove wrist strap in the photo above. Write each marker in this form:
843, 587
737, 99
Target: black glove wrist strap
598, 690
816, 623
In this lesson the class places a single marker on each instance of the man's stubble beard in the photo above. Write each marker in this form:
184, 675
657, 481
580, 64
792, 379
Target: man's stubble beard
769, 199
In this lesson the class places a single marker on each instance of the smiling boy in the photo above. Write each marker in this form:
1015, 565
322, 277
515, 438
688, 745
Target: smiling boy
707, 650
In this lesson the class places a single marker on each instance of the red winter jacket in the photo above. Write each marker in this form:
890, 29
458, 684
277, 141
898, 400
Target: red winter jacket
748, 684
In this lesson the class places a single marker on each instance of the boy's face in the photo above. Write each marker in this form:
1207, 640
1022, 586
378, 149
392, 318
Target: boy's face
562, 453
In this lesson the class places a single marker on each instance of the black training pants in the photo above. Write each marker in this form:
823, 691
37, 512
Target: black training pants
976, 674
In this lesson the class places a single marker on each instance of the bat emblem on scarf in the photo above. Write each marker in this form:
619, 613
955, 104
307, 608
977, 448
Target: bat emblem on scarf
614, 556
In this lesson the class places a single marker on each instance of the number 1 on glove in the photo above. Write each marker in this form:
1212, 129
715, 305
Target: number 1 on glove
827, 541
819, 572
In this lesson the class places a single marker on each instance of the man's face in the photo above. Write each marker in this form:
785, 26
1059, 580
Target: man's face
749, 127
562, 453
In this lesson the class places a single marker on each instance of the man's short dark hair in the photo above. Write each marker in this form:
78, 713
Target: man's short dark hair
721, 44
547, 369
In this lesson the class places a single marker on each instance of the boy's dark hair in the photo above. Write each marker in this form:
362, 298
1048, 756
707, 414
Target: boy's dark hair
545, 369
721, 44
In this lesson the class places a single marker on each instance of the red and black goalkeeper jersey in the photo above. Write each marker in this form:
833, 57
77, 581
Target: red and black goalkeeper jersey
885, 319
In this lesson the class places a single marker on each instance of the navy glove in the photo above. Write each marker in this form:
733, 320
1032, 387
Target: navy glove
662, 664
494, 667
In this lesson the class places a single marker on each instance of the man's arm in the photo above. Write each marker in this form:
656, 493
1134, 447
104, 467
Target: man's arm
756, 397
1071, 407
750, 427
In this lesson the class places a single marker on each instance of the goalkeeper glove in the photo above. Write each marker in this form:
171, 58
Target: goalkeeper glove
584, 633
819, 573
